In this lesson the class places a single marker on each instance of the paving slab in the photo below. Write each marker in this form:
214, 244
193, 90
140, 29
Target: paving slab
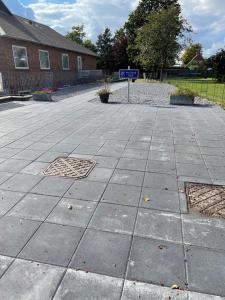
157, 262
86, 190
122, 194
114, 218
127, 177
100, 174
102, 252
106, 161
34, 207
35, 168
158, 225
15, 233
72, 212
192, 170
132, 164
13, 165
160, 181
164, 167
8, 200
52, 244
161, 156
205, 269
5, 262
85, 285
38, 281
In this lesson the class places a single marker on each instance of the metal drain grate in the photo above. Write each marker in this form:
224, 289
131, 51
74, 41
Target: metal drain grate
70, 167
206, 199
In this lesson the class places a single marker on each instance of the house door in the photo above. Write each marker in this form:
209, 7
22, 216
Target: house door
79, 63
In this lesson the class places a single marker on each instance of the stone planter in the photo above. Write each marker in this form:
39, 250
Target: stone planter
42, 97
182, 100
104, 98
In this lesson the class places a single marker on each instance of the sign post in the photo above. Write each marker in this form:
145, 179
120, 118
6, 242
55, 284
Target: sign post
129, 74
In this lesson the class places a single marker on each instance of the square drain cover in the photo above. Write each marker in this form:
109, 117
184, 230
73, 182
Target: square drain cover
206, 199
70, 167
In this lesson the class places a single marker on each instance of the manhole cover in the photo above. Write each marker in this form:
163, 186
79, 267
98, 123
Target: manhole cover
206, 199
70, 167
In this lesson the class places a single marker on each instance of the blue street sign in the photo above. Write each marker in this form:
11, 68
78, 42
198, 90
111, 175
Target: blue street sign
129, 74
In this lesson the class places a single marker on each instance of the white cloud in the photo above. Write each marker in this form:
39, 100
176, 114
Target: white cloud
95, 14
18, 8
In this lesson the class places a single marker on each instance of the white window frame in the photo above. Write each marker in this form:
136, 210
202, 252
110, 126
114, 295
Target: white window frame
79, 63
67, 55
21, 47
39, 51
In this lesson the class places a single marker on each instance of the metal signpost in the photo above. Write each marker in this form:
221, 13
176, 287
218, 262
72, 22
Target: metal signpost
129, 74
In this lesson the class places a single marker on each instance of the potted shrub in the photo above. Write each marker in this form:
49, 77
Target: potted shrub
104, 95
182, 97
43, 95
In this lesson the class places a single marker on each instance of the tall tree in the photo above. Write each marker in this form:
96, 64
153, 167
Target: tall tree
139, 17
217, 63
159, 41
104, 49
193, 56
91, 46
77, 34
119, 50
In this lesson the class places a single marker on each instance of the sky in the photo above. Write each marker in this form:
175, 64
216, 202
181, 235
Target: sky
207, 17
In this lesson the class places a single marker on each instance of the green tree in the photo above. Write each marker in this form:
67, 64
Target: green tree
139, 17
77, 34
104, 49
89, 45
119, 50
193, 57
159, 41
217, 63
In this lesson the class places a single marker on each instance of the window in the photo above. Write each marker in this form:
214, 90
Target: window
79, 63
65, 62
44, 60
20, 57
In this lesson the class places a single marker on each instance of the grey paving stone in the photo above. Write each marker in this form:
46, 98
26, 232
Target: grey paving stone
160, 181
53, 186
141, 138
106, 162
164, 167
162, 147
187, 149
30, 280
4, 263
162, 140
204, 232
82, 285
109, 151
51, 156
63, 148
138, 145
8, 152
86, 190
122, 194
8, 200
160, 200
161, 156
200, 296
28, 154
157, 262
13, 165
217, 161
100, 174
83, 149
15, 233
159, 225
206, 273
52, 244
139, 290
132, 164
212, 144
128, 177
114, 218
34, 207
135, 153
41, 146
35, 168
190, 141
103, 253
189, 158
72, 212
192, 170
213, 151
4, 176
20, 182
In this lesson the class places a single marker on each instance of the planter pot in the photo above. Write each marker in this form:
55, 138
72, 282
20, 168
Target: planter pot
42, 97
182, 100
104, 98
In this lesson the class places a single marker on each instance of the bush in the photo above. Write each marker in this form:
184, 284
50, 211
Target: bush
104, 92
184, 92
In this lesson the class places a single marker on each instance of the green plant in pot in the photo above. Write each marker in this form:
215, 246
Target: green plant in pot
104, 95
182, 97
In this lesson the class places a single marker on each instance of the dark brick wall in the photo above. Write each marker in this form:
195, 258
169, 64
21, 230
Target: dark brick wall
35, 77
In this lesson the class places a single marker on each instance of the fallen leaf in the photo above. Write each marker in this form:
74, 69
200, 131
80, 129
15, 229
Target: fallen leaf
146, 199
175, 287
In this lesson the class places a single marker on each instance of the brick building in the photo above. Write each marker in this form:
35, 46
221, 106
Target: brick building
33, 56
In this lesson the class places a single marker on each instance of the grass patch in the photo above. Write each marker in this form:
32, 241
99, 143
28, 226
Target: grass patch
206, 88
